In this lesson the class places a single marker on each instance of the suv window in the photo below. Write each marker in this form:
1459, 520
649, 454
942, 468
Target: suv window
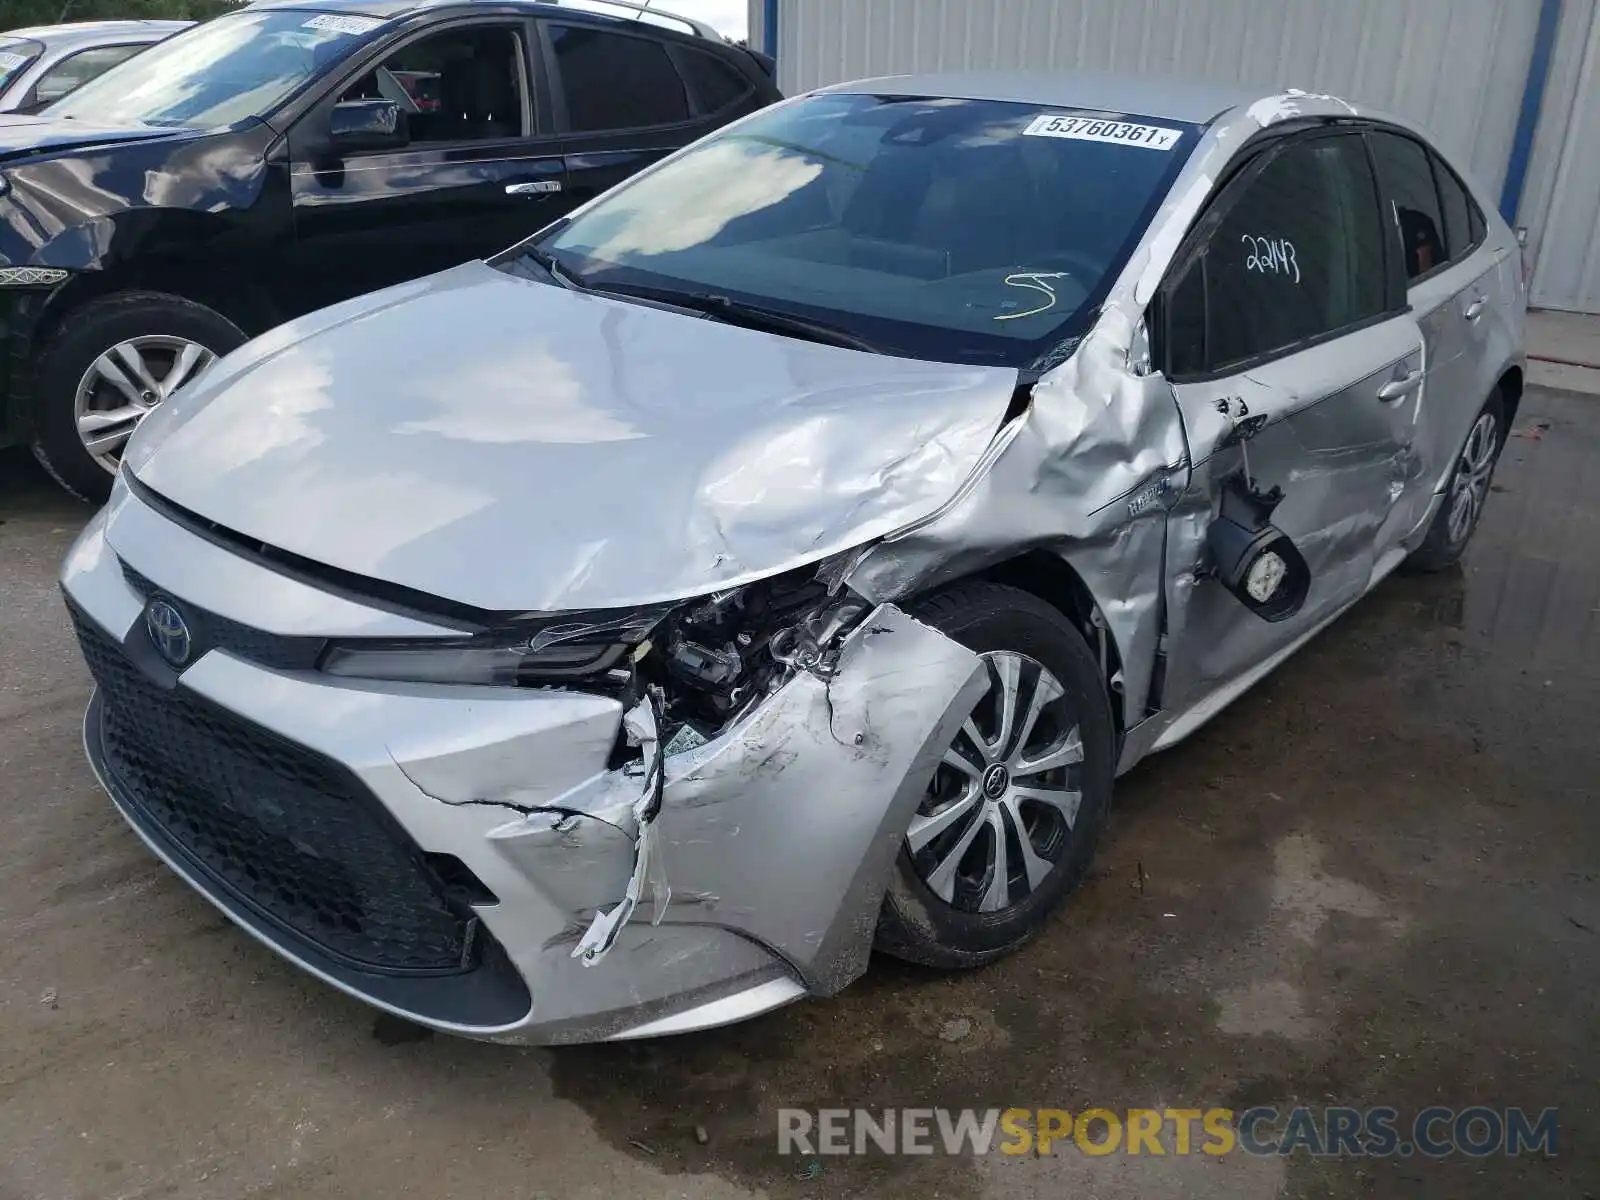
1463, 224
616, 80
74, 71
459, 85
1297, 254
716, 85
1413, 196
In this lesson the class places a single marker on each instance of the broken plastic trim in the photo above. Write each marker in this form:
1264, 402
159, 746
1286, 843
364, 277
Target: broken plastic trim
642, 726
811, 645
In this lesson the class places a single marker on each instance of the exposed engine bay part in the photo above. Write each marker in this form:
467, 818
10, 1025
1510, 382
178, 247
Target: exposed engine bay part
711, 660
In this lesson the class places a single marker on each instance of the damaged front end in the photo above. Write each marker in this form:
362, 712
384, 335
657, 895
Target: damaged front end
773, 741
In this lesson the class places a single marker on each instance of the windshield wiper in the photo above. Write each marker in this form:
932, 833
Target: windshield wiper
751, 316
555, 268
713, 304
755, 316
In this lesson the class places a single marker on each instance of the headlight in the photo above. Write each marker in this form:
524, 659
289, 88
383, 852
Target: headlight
561, 648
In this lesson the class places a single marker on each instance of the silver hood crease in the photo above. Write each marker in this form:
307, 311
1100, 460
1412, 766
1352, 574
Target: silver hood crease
457, 407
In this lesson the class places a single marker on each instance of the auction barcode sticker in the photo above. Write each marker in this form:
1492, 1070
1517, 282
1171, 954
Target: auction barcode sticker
334, 23
1092, 129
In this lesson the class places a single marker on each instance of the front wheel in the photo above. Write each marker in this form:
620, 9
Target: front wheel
107, 365
1466, 493
1009, 821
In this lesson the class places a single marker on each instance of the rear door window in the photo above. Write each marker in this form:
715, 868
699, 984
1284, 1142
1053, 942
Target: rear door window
1296, 256
715, 84
1463, 224
616, 80
1413, 199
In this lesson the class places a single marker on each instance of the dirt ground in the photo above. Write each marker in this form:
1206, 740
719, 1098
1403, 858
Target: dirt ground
1374, 880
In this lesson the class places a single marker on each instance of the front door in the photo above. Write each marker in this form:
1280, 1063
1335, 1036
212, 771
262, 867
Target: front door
1290, 352
477, 175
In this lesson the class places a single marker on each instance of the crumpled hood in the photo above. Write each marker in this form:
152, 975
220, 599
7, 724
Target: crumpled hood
516, 446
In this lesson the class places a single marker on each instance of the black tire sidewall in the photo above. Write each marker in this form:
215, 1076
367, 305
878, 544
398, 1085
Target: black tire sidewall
82, 337
1437, 550
918, 925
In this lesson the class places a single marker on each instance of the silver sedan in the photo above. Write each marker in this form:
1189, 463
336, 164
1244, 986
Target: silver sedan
782, 556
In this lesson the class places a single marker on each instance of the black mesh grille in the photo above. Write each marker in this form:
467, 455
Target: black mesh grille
281, 651
288, 832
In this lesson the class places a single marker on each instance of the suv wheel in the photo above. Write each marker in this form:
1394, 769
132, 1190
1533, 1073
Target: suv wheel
107, 365
1008, 824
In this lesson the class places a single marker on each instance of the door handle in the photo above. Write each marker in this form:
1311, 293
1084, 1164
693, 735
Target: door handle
538, 187
1475, 310
1402, 385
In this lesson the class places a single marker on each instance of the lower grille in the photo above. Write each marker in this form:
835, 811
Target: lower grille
286, 831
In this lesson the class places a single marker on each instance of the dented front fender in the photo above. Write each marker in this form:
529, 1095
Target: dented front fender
786, 828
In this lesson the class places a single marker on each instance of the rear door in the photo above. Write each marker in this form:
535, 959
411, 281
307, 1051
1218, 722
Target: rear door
1289, 347
482, 169
1450, 283
624, 97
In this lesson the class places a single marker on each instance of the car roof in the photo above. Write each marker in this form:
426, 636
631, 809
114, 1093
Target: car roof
629, 13
1142, 95
91, 31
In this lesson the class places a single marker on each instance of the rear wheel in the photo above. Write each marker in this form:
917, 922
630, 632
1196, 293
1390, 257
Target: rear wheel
1009, 822
108, 364
1466, 493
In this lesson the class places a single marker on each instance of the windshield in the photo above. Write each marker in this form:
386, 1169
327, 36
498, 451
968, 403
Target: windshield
219, 73
956, 230
15, 55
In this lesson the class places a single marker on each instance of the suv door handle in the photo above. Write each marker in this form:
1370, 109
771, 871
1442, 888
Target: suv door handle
1475, 310
1402, 385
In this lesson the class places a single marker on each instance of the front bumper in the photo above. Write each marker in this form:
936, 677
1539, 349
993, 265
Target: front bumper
777, 838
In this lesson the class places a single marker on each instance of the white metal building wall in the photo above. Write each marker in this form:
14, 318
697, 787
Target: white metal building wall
1561, 204
1457, 67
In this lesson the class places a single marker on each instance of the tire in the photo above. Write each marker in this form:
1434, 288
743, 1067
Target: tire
161, 327
1469, 483
966, 925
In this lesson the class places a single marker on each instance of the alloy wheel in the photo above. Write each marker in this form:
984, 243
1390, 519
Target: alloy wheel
121, 387
1000, 810
1471, 485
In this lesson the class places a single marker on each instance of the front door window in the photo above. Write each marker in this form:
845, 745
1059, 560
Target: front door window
461, 85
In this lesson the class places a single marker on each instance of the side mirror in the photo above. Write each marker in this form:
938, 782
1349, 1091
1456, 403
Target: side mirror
1254, 559
367, 125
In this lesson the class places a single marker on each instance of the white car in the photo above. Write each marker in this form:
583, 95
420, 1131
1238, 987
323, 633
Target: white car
40, 65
